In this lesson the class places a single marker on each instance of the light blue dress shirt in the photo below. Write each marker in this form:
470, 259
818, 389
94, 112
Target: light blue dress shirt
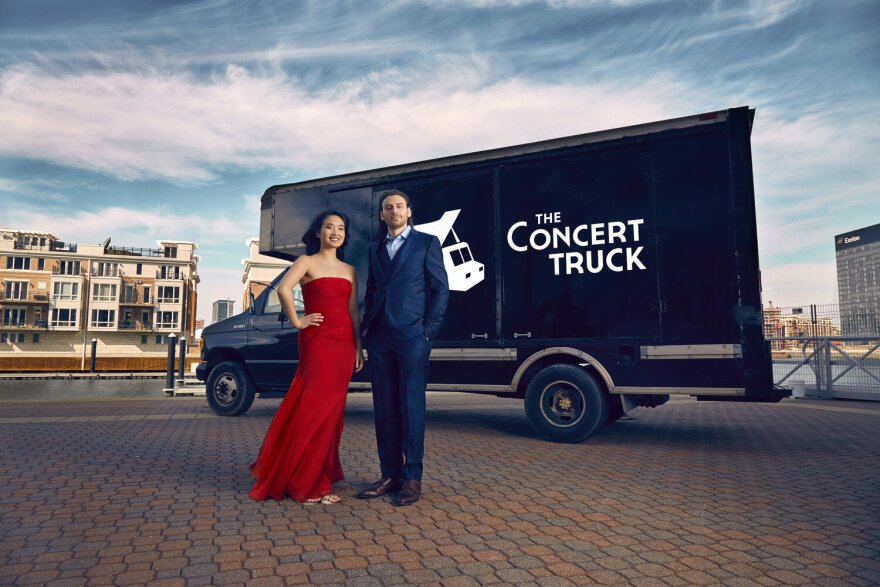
392, 245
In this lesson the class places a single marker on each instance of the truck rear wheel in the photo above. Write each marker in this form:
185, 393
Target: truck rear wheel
229, 389
565, 403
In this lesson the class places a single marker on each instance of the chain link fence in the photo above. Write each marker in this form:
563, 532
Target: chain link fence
819, 352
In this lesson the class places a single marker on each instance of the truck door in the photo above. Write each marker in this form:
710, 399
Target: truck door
272, 350
578, 252
458, 209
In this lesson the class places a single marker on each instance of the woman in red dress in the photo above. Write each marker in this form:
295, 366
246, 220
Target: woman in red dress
300, 454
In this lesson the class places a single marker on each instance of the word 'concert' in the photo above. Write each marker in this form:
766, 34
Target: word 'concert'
594, 260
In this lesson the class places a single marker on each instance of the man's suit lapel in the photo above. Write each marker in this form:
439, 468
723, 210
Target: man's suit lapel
374, 252
402, 254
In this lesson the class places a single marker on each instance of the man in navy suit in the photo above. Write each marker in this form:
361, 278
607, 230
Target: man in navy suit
406, 296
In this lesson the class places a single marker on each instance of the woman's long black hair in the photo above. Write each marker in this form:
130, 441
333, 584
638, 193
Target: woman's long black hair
313, 241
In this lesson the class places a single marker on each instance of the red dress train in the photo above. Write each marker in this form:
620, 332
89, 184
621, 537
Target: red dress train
300, 453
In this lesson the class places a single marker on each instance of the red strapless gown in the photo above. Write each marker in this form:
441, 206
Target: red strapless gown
300, 454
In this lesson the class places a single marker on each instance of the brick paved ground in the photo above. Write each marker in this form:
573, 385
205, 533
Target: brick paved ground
154, 491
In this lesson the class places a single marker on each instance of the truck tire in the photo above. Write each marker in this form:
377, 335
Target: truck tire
565, 404
229, 389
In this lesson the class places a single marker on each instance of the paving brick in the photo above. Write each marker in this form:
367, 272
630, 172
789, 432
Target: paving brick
684, 494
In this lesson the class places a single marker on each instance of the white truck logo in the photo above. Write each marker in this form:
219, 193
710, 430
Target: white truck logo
462, 270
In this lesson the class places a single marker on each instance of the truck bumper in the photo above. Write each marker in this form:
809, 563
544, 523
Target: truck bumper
202, 371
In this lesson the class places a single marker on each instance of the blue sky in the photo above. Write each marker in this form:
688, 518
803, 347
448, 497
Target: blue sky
148, 120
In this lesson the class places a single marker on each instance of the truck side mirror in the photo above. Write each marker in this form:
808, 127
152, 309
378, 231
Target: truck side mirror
251, 302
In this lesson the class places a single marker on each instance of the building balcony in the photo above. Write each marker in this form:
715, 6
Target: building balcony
141, 252
118, 274
76, 272
27, 244
135, 300
170, 275
24, 325
31, 298
135, 325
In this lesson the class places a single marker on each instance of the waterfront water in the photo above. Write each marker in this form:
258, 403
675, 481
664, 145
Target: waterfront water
64, 389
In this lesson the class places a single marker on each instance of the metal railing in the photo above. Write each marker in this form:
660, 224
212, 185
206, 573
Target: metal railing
826, 367
135, 325
824, 351
29, 297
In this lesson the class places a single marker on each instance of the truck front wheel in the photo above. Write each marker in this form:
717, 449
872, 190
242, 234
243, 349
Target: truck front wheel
565, 403
229, 389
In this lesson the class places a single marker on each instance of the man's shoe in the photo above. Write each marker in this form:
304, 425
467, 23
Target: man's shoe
409, 493
381, 487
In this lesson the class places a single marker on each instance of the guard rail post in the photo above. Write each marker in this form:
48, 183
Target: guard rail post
93, 365
169, 374
182, 365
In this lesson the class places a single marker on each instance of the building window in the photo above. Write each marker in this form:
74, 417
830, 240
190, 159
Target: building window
18, 262
103, 318
169, 272
63, 317
107, 269
146, 295
129, 294
36, 338
140, 268
166, 319
66, 291
14, 316
168, 294
68, 268
16, 290
145, 317
41, 264
4, 337
104, 292
159, 339
143, 339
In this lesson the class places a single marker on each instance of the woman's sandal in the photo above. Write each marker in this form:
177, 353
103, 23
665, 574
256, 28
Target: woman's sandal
329, 499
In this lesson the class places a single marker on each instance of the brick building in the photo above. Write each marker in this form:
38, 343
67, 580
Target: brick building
55, 297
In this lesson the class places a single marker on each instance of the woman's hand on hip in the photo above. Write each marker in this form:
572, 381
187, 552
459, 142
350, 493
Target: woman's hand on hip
309, 320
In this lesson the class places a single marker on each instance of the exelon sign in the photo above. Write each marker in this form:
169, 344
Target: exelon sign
857, 238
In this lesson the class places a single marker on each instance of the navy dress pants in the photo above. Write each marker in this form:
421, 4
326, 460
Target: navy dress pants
399, 377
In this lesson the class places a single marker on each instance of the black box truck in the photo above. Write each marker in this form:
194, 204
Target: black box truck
589, 274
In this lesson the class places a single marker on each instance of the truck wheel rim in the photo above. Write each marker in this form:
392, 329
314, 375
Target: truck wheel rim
562, 404
226, 389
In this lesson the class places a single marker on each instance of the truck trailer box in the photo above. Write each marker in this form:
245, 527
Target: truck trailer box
588, 274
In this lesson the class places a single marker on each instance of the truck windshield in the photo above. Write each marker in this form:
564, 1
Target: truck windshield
273, 304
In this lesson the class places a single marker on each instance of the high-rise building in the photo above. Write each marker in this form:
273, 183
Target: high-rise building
858, 280
55, 297
223, 309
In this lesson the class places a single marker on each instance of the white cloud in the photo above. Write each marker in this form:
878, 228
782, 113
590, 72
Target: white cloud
173, 126
146, 226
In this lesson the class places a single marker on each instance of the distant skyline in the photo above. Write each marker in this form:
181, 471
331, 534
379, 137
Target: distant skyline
149, 120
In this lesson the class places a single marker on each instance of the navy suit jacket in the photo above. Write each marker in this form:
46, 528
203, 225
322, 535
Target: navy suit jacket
413, 297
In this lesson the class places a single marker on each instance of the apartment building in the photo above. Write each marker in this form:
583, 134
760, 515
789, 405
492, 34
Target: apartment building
260, 271
55, 297
222, 310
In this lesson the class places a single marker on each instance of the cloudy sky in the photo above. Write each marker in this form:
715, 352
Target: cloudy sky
152, 119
